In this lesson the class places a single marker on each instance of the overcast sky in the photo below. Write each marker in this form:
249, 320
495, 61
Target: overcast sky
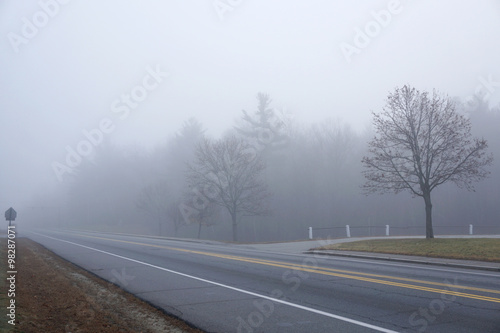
138, 69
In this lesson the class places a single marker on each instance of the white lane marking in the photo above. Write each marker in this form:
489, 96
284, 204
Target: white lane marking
327, 314
337, 258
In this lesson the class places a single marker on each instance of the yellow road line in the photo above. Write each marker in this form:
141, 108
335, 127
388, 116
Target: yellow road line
389, 277
335, 272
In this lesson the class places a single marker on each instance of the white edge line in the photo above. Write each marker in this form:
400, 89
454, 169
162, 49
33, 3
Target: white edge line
336, 258
327, 314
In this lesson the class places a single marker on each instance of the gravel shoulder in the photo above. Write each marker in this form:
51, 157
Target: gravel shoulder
53, 295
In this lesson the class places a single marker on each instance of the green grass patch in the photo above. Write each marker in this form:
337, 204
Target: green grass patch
484, 249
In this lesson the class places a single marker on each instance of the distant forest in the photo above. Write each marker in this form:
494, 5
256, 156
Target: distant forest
313, 175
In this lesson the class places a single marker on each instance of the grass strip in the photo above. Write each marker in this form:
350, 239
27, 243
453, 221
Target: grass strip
483, 249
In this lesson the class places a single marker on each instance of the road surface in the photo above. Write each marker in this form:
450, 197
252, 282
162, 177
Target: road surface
222, 287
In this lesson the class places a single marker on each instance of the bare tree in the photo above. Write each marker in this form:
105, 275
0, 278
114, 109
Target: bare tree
336, 142
421, 142
227, 173
205, 213
154, 199
174, 214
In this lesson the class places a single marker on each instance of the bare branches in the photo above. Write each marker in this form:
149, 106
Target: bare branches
154, 199
422, 143
227, 173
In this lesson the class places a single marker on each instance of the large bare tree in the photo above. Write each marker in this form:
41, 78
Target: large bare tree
227, 172
421, 142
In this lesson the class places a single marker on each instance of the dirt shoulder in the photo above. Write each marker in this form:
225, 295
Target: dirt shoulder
53, 295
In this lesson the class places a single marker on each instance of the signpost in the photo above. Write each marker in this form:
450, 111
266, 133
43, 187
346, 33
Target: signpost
10, 215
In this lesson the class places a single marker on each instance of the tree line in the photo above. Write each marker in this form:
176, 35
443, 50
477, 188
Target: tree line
269, 177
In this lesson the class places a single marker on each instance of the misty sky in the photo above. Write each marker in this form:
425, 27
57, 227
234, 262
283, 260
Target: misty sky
76, 69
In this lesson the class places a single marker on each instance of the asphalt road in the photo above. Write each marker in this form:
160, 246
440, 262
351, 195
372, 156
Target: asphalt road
238, 288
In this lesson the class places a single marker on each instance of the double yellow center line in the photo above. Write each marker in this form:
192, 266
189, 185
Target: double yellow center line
366, 277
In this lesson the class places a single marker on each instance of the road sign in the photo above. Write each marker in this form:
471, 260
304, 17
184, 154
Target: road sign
10, 214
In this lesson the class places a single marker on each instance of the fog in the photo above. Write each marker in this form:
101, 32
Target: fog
100, 102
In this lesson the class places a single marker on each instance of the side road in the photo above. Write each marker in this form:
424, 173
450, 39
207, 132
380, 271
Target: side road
307, 247
468, 264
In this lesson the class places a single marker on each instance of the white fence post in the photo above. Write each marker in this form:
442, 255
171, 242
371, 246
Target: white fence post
471, 229
387, 230
310, 233
348, 231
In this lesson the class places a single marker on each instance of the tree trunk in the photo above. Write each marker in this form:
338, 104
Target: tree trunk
235, 229
429, 232
199, 230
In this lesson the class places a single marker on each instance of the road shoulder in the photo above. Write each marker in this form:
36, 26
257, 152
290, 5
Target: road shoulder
55, 295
